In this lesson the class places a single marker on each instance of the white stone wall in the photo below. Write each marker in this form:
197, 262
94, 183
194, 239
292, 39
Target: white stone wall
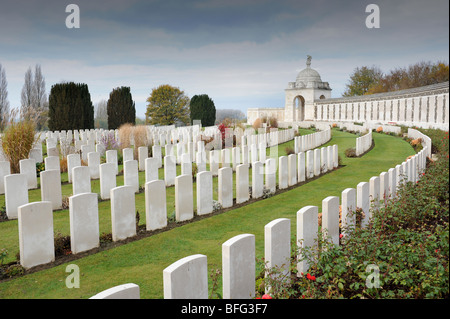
426, 107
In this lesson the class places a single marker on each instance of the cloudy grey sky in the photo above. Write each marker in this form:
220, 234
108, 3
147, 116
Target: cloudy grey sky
242, 53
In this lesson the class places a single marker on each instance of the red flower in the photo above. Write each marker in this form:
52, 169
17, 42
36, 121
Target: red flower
341, 235
266, 296
313, 278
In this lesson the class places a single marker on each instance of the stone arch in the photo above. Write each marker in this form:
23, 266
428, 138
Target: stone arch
299, 108
322, 97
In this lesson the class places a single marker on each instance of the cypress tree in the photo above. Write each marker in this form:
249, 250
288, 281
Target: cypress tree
70, 107
120, 108
202, 108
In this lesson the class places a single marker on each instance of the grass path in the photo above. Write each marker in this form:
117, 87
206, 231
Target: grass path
142, 262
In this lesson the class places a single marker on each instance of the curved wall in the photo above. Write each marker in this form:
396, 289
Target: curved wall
426, 107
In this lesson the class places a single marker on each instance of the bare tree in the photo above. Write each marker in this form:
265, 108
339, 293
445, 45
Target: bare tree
101, 114
101, 110
4, 103
27, 90
34, 102
39, 97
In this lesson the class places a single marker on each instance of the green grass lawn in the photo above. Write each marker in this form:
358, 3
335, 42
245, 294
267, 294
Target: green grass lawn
142, 262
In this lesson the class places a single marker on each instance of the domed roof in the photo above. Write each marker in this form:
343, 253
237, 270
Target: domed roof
307, 75
308, 79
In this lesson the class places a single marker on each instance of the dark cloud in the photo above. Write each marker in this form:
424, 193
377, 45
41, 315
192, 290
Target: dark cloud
251, 48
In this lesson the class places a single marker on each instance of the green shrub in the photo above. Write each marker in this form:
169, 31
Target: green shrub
40, 166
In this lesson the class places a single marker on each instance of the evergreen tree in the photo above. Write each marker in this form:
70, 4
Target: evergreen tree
120, 108
70, 107
202, 108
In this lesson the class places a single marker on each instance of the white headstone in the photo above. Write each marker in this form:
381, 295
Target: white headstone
73, 160
81, 180
362, 200
271, 174
187, 278
205, 193
277, 248
307, 227
384, 185
131, 174
51, 187
348, 207
52, 162
184, 201
316, 162
335, 156
16, 193
28, 168
257, 179
107, 179
142, 155
301, 168
323, 160
170, 170
84, 224
330, 218
36, 240
225, 187
292, 169
309, 164
111, 157
127, 154
330, 157
186, 164
156, 153
123, 212
155, 205
392, 182
283, 172
214, 162
238, 267
374, 191
5, 169
151, 169
94, 164
126, 291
